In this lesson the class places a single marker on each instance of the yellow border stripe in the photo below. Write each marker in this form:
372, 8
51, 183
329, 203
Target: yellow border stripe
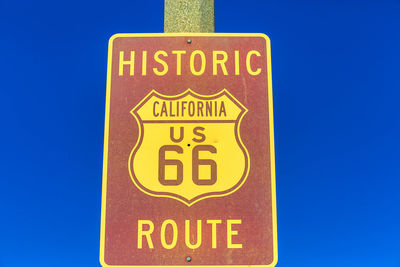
272, 152
105, 154
106, 134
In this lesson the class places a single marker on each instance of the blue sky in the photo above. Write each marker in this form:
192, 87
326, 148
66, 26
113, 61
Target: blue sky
335, 68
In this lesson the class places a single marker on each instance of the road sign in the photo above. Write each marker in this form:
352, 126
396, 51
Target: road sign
189, 172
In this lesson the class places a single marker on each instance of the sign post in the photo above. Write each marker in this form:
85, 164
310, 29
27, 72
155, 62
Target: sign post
189, 16
189, 171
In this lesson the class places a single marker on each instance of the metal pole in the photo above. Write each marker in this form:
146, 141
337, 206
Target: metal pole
189, 16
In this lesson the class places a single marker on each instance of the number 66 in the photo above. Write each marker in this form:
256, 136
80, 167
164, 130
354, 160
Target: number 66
196, 162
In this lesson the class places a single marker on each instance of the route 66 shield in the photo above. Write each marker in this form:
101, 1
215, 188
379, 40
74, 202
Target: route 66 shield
189, 146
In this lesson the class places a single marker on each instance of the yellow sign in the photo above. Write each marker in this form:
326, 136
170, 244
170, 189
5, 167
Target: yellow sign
189, 146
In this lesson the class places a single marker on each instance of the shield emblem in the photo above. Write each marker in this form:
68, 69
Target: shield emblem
189, 146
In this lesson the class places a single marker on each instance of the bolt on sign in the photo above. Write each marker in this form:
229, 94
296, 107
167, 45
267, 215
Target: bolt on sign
189, 172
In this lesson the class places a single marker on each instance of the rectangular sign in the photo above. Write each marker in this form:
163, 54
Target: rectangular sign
189, 171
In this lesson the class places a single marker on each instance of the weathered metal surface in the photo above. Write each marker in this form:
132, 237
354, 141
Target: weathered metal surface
189, 173
189, 16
